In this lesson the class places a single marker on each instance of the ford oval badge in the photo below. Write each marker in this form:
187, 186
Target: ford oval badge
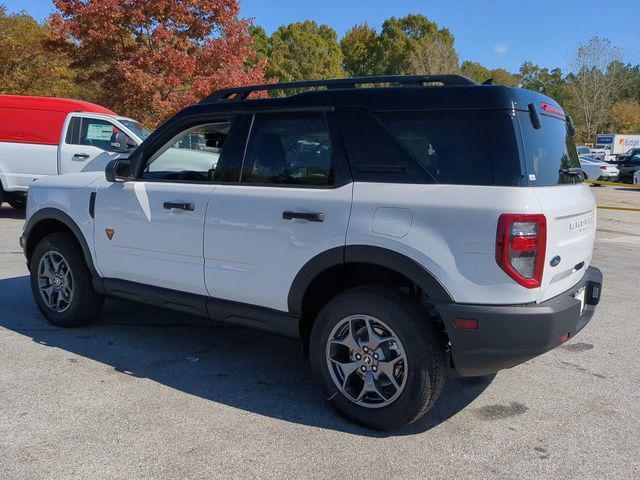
555, 261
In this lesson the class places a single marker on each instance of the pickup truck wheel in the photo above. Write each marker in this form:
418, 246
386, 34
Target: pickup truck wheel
61, 282
17, 202
377, 358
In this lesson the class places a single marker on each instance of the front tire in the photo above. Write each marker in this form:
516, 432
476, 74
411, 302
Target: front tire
377, 358
61, 282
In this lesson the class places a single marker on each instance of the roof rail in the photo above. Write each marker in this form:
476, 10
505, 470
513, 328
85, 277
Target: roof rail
241, 93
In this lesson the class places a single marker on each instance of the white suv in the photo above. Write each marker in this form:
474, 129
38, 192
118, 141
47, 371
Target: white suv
396, 230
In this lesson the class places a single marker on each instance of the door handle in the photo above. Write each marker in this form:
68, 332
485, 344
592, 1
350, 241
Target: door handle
310, 216
179, 206
81, 155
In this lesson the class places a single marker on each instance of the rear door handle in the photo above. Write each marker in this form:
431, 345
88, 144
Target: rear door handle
179, 206
310, 216
81, 155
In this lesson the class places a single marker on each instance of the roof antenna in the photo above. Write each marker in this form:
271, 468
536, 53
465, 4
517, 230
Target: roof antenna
488, 81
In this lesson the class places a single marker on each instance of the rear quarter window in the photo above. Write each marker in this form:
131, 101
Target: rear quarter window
460, 147
550, 153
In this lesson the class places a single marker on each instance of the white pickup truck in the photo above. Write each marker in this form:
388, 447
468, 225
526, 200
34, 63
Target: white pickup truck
51, 136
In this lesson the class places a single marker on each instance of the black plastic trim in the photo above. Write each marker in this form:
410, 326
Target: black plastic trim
314, 267
508, 335
364, 254
241, 93
92, 204
225, 311
59, 215
309, 216
411, 269
161, 297
254, 317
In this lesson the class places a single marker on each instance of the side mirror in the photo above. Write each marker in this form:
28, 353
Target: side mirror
118, 170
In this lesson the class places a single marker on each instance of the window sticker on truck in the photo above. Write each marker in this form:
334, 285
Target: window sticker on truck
96, 131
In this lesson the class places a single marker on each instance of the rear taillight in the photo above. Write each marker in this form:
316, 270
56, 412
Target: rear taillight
520, 247
602, 167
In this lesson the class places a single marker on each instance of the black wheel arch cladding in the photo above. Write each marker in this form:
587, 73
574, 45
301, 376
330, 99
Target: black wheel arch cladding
59, 216
377, 256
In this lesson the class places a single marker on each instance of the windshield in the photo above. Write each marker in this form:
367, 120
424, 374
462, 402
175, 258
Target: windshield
137, 128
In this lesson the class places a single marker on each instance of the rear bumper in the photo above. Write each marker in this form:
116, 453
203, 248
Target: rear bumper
509, 335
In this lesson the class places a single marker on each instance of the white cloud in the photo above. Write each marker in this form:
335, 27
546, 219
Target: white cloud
501, 48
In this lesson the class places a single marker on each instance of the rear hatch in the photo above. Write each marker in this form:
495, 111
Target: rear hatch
553, 170
571, 226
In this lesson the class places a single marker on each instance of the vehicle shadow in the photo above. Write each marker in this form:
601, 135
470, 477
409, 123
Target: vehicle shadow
240, 368
7, 211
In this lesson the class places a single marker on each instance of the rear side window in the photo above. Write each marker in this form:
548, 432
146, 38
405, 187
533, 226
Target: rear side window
289, 149
460, 147
374, 154
550, 154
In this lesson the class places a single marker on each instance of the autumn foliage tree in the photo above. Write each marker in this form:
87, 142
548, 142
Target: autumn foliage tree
149, 58
28, 63
300, 51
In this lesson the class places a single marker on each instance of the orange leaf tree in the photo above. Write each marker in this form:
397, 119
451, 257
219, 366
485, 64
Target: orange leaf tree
149, 58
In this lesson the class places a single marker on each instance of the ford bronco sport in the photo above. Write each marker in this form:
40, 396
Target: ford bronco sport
419, 224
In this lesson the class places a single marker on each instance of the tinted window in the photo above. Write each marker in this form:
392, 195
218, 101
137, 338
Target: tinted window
460, 147
374, 155
97, 133
193, 155
550, 153
73, 131
289, 149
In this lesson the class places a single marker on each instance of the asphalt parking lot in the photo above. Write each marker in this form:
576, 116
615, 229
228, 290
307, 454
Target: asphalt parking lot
151, 394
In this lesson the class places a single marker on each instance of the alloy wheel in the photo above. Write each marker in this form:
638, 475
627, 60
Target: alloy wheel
55, 281
367, 361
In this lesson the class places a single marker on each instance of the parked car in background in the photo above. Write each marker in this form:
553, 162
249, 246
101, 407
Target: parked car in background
628, 168
627, 155
597, 169
51, 136
601, 154
636, 178
583, 150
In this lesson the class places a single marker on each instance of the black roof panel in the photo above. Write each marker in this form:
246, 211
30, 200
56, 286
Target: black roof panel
460, 95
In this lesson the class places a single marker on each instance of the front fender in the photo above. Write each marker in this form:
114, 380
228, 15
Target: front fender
69, 207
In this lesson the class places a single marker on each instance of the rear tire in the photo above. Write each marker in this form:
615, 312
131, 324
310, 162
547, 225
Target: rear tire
61, 282
412, 355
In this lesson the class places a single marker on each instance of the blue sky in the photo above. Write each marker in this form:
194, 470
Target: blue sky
496, 33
